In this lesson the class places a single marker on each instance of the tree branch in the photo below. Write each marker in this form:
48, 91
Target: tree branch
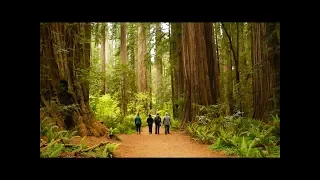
234, 54
230, 42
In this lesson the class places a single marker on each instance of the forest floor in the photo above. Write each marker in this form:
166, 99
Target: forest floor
175, 144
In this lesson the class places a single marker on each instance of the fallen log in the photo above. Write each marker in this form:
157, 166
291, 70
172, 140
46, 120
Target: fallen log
54, 142
70, 145
95, 146
43, 143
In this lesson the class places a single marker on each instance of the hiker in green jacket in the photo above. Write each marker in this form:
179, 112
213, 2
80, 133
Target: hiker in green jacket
137, 122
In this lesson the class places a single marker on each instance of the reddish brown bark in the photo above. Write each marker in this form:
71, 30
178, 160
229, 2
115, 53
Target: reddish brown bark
65, 48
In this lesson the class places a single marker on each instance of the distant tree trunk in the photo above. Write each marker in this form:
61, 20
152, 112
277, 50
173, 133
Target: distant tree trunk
123, 55
96, 30
158, 62
136, 60
274, 57
243, 69
217, 45
107, 49
177, 69
230, 84
148, 63
229, 79
216, 73
197, 53
235, 56
142, 49
65, 48
103, 58
265, 69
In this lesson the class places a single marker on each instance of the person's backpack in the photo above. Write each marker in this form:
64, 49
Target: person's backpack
138, 120
157, 120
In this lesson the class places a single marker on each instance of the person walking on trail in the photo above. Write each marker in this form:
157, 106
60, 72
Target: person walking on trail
150, 123
157, 121
137, 122
166, 123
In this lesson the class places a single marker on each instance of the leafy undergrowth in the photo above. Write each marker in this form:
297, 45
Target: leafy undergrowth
236, 135
55, 144
106, 109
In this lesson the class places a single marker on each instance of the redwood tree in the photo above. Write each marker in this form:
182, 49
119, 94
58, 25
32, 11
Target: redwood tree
65, 55
216, 71
177, 68
158, 62
266, 68
142, 61
197, 55
123, 56
103, 58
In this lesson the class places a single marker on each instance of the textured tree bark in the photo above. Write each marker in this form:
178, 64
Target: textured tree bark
266, 64
123, 56
103, 58
177, 69
158, 62
235, 54
65, 50
216, 72
197, 53
142, 49
227, 69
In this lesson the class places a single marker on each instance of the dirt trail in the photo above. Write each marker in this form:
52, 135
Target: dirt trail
175, 144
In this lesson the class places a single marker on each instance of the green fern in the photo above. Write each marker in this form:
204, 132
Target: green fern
51, 135
109, 149
52, 150
246, 149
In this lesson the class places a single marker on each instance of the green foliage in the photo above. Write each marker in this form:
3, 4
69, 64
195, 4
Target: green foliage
237, 135
108, 150
106, 106
53, 150
175, 124
142, 103
127, 126
51, 132
167, 108
113, 131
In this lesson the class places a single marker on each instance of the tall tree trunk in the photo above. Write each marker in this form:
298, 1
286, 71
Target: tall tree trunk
142, 61
217, 31
64, 51
96, 37
148, 59
107, 49
273, 32
228, 80
177, 69
123, 56
158, 62
103, 58
265, 66
235, 57
243, 71
197, 53
215, 65
136, 59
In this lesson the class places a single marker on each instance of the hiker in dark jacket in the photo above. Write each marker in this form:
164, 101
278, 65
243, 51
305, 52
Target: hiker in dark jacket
157, 121
166, 123
150, 122
137, 122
